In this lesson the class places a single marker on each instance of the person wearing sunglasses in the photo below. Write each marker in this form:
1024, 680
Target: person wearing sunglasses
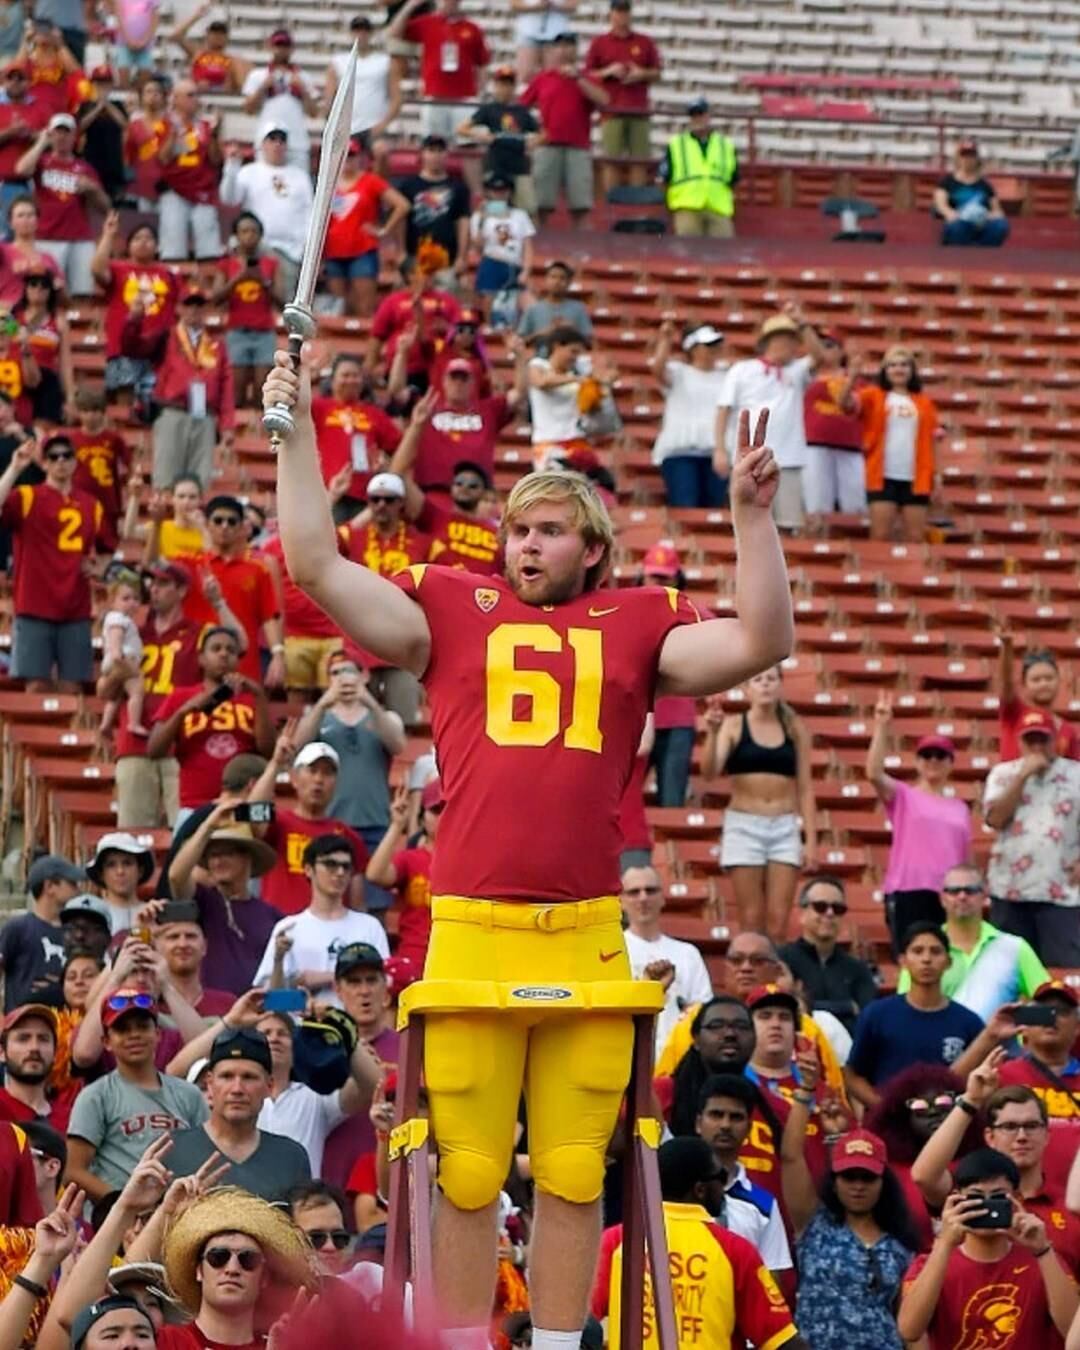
833, 980
58, 530
931, 831
318, 1210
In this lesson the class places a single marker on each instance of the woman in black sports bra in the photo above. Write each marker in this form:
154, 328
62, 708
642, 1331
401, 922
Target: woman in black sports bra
765, 751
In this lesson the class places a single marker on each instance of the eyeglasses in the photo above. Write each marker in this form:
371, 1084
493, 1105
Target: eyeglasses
1015, 1126
219, 1257
319, 1237
382, 501
58, 456
726, 1024
836, 907
962, 890
120, 1003
923, 1106
642, 890
224, 520
335, 864
737, 959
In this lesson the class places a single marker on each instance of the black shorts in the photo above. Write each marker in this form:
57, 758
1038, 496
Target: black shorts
898, 491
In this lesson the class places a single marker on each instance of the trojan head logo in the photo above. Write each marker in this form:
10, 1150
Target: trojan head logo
486, 599
991, 1318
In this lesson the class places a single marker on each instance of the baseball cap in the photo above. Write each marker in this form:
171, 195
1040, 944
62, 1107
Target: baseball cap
281, 37
58, 120
276, 129
91, 905
941, 743
498, 182
699, 105
20, 1014
87, 1318
504, 73
313, 752
663, 559
432, 795
102, 75
1057, 989
705, 335
355, 955
459, 366
52, 868
772, 996
166, 569
1036, 722
127, 1000
859, 1151
390, 484
241, 1043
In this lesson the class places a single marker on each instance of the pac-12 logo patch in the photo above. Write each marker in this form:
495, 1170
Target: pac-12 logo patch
486, 598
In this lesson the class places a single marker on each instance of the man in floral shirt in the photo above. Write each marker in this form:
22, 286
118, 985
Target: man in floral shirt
1034, 805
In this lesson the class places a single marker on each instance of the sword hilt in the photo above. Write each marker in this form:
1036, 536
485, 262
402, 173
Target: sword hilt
278, 421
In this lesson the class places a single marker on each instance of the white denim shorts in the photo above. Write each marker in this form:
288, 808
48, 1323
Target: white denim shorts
752, 841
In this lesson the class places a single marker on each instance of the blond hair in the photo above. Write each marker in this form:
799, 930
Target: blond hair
588, 513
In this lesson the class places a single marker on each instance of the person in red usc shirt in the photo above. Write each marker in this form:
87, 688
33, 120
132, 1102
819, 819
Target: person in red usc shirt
204, 727
626, 62
143, 139
56, 80
987, 1286
104, 460
352, 431
407, 869
463, 344
22, 255
351, 257
313, 771
246, 586
453, 54
250, 287
194, 387
1040, 684
565, 98
148, 790
421, 308
460, 535
57, 530
212, 67
28, 1039
21, 118
137, 279
66, 188
1016, 1124
191, 161
541, 678
43, 329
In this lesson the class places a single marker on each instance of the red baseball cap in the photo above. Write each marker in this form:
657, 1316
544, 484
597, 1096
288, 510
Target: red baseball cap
26, 1010
1048, 989
859, 1151
766, 995
102, 75
1036, 722
281, 37
123, 1001
400, 971
941, 743
432, 795
459, 366
662, 560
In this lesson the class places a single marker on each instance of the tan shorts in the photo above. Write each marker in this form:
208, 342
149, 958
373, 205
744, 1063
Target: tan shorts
307, 659
787, 507
566, 167
625, 136
702, 224
147, 792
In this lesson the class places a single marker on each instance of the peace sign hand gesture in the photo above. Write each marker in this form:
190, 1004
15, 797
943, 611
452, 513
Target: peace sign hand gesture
755, 476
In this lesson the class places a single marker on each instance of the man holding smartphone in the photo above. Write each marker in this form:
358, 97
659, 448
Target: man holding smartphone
991, 1278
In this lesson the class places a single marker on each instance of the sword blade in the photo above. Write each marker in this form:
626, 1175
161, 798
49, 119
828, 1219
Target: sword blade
335, 145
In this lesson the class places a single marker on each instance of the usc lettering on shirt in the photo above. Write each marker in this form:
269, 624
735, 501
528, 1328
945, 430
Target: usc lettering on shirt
154, 1120
471, 539
225, 717
457, 425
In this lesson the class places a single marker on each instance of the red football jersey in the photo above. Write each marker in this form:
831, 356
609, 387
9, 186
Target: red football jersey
413, 868
170, 658
356, 433
285, 886
469, 543
387, 554
54, 536
104, 464
537, 715
207, 741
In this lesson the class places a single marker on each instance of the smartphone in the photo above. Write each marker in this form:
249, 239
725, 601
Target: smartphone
254, 813
999, 1211
284, 1000
179, 911
221, 695
1035, 1015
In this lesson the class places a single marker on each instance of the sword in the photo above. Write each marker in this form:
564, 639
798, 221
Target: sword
298, 316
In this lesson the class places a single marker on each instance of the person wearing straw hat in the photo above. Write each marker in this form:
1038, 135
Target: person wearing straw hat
233, 1261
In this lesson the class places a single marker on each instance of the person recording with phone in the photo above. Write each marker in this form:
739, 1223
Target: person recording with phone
1016, 1125
992, 1278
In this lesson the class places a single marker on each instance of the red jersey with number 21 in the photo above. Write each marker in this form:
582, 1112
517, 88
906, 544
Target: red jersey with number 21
537, 714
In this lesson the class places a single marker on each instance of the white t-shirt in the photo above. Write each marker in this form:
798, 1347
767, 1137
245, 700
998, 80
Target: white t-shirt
901, 424
689, 425
305, 1115
690, 985
316, 943
502, 238
283, 110
555, 412
371, 95
280, 195
131, 644
754, 385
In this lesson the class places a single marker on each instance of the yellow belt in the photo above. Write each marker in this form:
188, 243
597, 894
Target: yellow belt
513, 914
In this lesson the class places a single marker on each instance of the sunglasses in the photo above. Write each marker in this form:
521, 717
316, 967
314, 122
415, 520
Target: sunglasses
468, 482
836, 907
119, 1003
923, 1106
382, 501
962, 890
224, 520
335, 864
56, 456
219, 1257
319, 1237
934, 754
458, 375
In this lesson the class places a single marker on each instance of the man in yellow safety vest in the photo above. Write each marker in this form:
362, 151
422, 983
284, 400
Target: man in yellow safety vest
701, 171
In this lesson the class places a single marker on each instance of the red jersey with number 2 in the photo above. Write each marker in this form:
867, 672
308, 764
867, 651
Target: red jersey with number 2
537, 713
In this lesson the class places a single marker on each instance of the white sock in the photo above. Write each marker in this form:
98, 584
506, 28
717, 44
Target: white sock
467, 1338
555, 1340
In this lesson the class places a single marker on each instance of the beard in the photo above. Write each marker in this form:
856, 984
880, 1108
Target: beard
548, 592
31, 1077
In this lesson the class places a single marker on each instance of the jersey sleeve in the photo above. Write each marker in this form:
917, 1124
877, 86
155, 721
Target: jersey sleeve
600, 1299
761, 1310
17, 507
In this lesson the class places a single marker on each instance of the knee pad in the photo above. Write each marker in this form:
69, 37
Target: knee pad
573, 1172
470, 1180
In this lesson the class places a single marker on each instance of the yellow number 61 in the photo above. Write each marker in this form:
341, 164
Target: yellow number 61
505, 682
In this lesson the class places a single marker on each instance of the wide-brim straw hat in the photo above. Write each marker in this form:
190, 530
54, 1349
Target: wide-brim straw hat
290, 1259
261, 854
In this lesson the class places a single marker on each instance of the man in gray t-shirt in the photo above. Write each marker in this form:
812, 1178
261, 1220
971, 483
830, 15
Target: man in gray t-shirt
268, 1165
554, 310
114, 1119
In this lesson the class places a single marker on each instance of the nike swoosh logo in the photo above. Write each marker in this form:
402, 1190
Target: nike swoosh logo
599, 613
609, 956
